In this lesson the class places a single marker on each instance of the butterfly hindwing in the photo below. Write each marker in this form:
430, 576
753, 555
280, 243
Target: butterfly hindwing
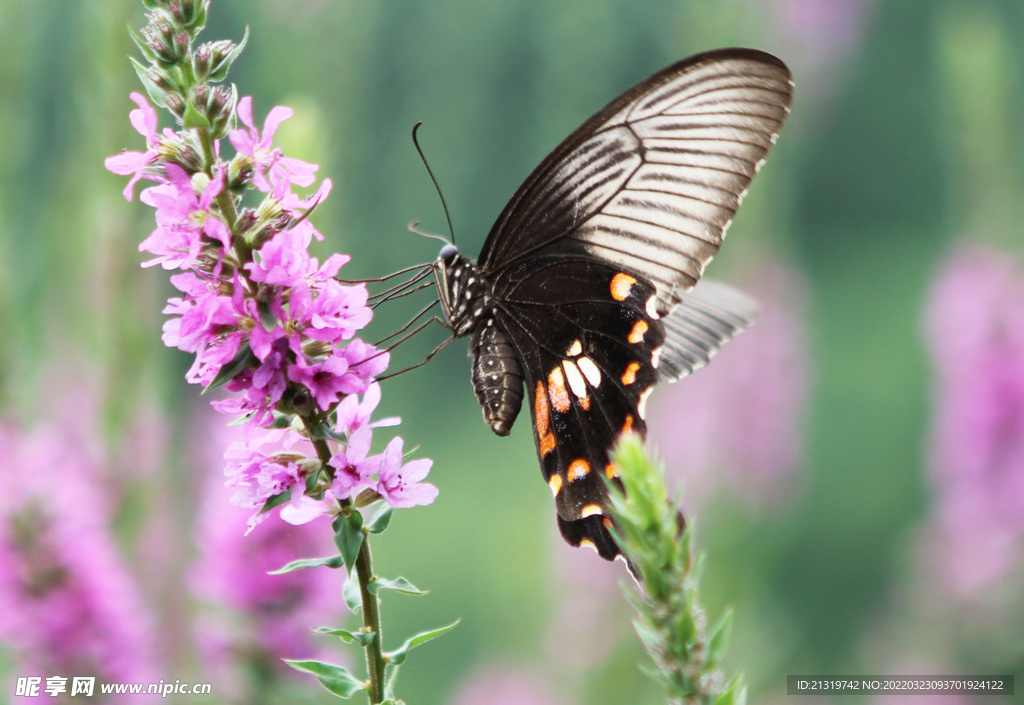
588, 347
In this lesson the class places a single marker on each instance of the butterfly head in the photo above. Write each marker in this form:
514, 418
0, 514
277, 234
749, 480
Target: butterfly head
465, 299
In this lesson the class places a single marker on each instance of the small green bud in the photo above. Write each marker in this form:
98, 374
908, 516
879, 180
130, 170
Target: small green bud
166, 43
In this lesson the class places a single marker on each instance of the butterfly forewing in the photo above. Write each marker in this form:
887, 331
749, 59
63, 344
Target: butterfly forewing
651, 182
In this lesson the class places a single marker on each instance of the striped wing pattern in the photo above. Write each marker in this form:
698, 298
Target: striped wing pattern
652, 182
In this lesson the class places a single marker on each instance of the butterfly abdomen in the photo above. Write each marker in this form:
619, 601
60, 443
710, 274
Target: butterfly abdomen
497, 376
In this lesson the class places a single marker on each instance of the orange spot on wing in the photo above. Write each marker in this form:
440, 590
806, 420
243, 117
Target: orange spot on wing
557, 392
590, 510
542, 420
585, 403
628, 426
629, 376
547, 444
555, 483
578, 469
611, 470
607, 523
621, 284
639, 331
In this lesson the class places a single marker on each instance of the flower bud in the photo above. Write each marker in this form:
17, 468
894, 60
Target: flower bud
162, 38
211, 61
287, 456
220, 110
177, 106
316, 349
246, 220
240, 172
200, 180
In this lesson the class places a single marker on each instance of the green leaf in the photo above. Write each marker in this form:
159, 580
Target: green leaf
353, 597
156, 94
243, 360
329, 561
734, 694
194, 118
147, 53
220, 72
348, 537
334, 678
719, 639
390, 676
323, 432
398, 656
277, 500
364, 638
398, 585
380, 520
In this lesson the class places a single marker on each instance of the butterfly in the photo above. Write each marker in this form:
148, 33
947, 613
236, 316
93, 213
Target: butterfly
588, 289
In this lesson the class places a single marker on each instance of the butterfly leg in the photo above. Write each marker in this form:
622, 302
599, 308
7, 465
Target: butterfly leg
408, 325
427, 359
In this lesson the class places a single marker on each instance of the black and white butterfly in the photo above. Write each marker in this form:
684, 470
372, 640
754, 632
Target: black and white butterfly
586, 291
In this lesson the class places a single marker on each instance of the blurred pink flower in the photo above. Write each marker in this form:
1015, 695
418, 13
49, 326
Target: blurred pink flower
816, 38
738, 423
974, 327
503, 686
68, 605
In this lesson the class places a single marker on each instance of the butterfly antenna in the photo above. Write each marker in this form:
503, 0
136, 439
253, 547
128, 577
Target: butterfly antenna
444, 205
414, 229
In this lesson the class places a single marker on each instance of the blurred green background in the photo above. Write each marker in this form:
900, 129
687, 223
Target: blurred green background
904, 137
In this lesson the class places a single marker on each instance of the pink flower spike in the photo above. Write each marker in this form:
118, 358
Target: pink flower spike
326, 380
145, 122
267, 160
283, 261
399, 484
353, 470
354, 415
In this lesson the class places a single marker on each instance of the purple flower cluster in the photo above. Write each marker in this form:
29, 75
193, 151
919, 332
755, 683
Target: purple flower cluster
266, 320
975, 334
269, 464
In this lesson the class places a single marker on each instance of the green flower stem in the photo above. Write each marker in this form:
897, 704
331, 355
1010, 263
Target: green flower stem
225, 201
371, 621
371, 606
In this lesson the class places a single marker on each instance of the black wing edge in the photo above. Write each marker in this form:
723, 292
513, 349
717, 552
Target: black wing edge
584, 131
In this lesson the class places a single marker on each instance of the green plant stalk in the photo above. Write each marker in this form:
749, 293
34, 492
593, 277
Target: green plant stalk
671, 624
371, 605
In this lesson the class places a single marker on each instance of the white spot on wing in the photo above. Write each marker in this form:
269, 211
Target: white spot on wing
641, 407
575, 349
590, 371
656, 356
575, 379
652, 307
